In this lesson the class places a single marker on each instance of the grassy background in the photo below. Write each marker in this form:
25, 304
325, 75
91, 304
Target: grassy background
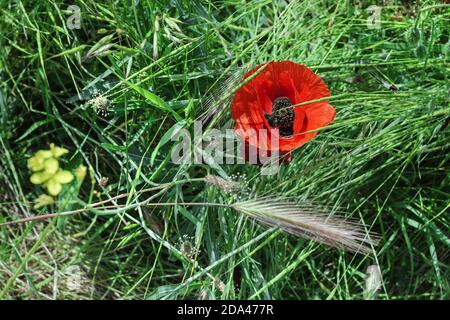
384, 161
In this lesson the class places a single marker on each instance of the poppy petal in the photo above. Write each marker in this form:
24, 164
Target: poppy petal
253, 101
319, 115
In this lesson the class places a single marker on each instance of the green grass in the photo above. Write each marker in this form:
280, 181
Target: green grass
384, 161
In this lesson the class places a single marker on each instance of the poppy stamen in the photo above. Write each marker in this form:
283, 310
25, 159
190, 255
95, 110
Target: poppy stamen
282, 116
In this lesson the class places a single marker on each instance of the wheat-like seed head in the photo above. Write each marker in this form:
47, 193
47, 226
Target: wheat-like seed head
309, 222
220, 97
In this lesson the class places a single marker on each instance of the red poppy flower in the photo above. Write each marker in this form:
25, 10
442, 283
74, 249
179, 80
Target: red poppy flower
268, 101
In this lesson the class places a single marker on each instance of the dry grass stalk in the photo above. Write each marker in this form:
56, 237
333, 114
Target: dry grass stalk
222, 184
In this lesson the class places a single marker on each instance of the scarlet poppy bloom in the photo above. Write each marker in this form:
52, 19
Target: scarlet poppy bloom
268, 101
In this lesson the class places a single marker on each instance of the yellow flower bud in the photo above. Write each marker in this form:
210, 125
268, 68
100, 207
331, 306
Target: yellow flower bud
44, 154
51, 166
42, 201
35, 163
47, 172
63, 176
80, 172
40, 177
53, 187
57, 151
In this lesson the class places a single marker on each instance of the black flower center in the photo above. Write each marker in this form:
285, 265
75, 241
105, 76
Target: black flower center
282, 116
